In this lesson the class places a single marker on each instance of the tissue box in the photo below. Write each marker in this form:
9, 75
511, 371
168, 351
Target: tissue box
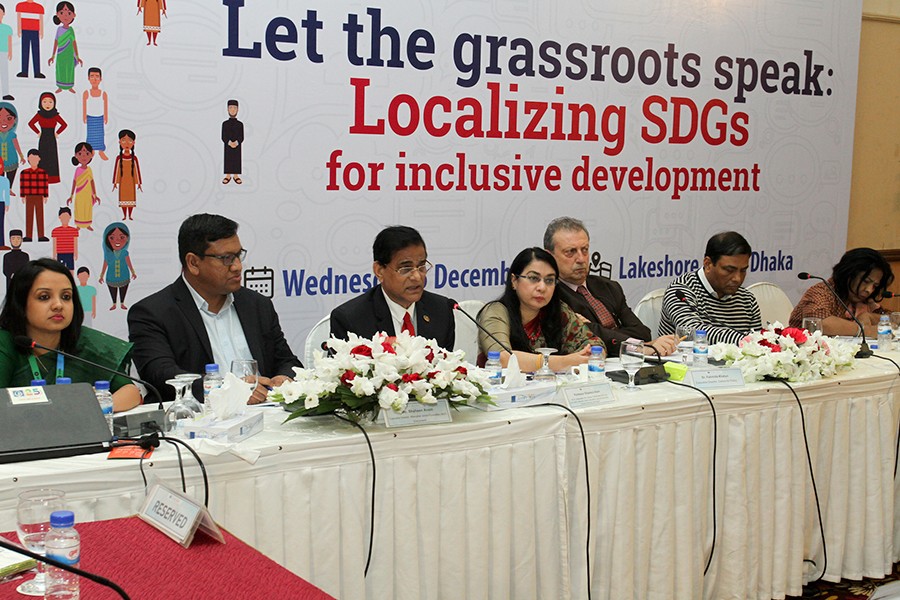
534, 392
232, 430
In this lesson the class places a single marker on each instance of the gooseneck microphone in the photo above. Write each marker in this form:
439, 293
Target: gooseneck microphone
25, 342
456, 306
864, 351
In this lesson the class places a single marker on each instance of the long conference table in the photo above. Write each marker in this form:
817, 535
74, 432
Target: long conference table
494, 505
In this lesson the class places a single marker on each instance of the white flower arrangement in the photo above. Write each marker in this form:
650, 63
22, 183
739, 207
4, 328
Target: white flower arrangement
787, 353
362, 376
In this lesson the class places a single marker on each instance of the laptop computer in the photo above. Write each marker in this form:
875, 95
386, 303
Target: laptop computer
50, 421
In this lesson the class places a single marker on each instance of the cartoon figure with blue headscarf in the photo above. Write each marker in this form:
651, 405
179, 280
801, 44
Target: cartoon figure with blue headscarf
117, 270
9, 143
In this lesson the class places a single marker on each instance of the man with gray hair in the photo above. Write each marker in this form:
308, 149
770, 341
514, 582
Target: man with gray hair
598, 301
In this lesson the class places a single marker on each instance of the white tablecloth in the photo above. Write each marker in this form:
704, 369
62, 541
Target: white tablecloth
494, 505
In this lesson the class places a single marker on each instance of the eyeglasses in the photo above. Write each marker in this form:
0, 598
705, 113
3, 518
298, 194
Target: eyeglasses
408, 270
549, 281
228, 259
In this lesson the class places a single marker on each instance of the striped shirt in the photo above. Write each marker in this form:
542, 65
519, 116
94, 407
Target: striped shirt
726, 319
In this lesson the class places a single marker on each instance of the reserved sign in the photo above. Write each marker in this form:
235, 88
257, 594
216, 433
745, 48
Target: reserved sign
177, 516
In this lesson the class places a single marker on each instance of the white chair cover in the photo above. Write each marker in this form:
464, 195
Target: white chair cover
774, 305
649, 309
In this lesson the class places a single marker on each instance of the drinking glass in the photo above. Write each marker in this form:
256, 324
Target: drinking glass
684, 335
246, 370
631, 355
178, 411
545, 373
187, 395
812, 324
895, 325
32, 524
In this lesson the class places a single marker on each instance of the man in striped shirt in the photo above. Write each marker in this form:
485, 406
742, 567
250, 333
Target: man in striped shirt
712, 297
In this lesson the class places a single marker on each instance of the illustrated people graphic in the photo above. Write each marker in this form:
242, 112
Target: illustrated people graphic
9, 142
152, 20
5, 202
127, 174
16, 257
6, 33
95, 112
31, 29
117, 270
34, 188
84, 192
48, 124
65, 49
233, 138
65, 240
88, 295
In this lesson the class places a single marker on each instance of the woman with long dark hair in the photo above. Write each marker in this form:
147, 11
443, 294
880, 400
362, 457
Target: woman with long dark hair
530, 314
42, 303
860, 279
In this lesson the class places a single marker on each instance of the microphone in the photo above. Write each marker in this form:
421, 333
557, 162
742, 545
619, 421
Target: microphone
679, 293
864, 351
4, 543
25, 342
456, 306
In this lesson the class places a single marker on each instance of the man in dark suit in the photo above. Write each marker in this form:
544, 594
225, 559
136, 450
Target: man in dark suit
399, 302
598, 301
206, 316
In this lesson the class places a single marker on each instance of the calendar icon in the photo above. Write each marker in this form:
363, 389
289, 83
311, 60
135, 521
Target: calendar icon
260, 280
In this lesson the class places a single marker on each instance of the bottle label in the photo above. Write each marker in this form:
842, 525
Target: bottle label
67, 556
594, 368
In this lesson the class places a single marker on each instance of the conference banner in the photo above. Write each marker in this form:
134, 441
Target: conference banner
316, 124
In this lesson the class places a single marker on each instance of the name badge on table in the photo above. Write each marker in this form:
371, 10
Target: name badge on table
586, 395
417, 413
715, 378
177, 516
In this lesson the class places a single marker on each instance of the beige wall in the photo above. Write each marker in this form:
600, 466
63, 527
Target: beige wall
874, 218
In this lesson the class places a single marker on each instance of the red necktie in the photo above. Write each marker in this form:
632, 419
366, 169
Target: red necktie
606, 318
408, 325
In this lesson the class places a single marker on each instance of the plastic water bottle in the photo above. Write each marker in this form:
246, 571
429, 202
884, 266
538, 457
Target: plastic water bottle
884, 333
701, 347
596, 364
212, 380
494, 368
104, 397
62, 544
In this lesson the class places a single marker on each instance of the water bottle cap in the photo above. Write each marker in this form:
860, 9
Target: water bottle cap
101, 385
62, 518
212, 368
494, 355
38, 382
63, 380
596, 349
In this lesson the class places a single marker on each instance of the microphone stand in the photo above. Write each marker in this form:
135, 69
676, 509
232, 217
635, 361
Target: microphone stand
4, 543
864, 350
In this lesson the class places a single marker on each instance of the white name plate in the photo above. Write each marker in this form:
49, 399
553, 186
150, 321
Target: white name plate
177, 516
417, 413
586, 395
715, 378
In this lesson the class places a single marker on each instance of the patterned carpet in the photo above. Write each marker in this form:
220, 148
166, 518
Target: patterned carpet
846, 589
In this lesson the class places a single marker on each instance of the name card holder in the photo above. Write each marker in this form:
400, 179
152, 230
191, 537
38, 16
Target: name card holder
586, 395
417, 413
177, 516
715, 378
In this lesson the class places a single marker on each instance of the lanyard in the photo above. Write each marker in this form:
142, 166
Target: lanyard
60, 366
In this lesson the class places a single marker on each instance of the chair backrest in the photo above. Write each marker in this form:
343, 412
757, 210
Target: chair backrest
774, 304
466, 330
648, 310
320, 332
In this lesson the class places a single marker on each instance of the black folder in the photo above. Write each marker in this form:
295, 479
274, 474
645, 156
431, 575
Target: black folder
67, 421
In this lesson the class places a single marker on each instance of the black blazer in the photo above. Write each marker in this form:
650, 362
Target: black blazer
368, 314
169, 336
611, 295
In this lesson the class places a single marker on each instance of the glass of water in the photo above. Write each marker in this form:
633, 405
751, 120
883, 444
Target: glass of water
248, 371
631, 355
32, 524
684, 335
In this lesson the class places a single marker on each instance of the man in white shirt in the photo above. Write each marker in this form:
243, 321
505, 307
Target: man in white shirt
207, 316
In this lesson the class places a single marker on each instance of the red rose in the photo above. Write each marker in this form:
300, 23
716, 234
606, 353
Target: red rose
388, 348
347, 377
392, 386
770, 345
432, 374
430, 356
410, 377
361, 350
462, 371
798, 335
